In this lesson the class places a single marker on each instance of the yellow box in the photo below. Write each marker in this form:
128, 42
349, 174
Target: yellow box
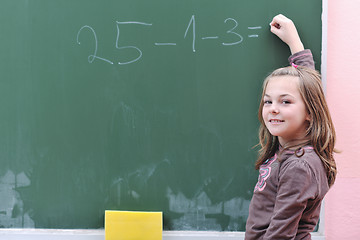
129, 225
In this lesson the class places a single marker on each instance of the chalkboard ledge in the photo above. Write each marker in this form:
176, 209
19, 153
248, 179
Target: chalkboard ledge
80, 234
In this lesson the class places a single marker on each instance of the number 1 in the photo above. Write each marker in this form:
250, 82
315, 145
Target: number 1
192, 21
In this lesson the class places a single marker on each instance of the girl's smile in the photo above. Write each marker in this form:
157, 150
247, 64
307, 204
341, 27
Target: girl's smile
274, 121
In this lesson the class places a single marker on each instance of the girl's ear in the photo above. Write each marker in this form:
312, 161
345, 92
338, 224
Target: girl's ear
308, 117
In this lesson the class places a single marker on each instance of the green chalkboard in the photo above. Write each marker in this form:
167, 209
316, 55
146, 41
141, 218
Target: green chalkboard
135, 105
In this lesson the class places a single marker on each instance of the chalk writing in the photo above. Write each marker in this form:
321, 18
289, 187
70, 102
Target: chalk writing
254, 28
214, 37
231, 31
192, 21
91, 57
125, 47
190, 30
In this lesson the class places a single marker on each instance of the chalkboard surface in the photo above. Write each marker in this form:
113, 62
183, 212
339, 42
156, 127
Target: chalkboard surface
135, 105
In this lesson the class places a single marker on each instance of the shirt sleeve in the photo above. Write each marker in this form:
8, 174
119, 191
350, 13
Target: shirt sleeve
303, 58
297, 185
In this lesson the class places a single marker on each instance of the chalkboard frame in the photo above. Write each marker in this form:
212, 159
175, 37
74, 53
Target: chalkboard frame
168, 235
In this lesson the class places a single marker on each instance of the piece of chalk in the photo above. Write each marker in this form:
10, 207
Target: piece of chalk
129, 225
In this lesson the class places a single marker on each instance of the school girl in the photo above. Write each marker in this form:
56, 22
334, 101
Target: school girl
297, 137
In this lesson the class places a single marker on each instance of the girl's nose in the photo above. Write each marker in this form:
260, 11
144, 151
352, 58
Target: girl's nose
274, 109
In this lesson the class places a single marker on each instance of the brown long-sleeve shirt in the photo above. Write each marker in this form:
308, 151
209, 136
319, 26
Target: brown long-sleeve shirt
287, 198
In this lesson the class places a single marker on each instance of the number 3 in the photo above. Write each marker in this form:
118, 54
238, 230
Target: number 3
231, 31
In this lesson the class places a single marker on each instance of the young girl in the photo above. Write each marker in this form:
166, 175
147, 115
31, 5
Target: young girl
297, 138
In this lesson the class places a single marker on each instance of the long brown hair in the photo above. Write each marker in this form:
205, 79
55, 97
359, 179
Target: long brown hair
320, 132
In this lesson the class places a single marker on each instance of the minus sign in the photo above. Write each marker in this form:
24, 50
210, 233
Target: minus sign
215, 37
252, 36
252, 28
162, 44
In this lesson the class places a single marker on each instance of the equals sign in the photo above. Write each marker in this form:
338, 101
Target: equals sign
254, 28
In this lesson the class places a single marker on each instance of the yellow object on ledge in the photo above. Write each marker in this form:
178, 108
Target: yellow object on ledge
130, 225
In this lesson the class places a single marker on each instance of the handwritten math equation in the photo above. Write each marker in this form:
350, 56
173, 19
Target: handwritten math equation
190, 32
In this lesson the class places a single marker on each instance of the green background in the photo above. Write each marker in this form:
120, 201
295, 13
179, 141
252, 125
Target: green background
173, 131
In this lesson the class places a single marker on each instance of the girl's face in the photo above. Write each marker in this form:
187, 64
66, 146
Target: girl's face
284, 112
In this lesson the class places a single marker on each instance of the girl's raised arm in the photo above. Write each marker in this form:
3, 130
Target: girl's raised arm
285, 29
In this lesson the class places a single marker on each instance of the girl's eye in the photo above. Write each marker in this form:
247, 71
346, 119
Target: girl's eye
267, 102
286, 102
